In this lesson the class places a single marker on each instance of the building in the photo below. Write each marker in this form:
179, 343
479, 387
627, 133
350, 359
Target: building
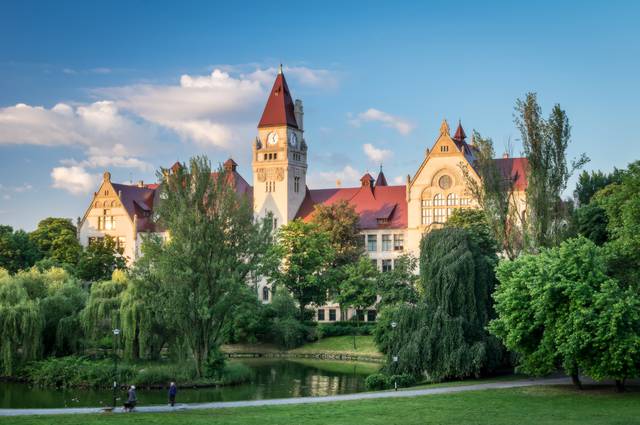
393, 218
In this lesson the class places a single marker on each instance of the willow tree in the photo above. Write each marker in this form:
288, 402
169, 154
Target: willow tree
214, 246
21, 324
102, 312
443, 336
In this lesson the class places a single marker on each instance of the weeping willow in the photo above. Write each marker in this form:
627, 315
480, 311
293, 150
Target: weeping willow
21, 324
444, 335
102, 312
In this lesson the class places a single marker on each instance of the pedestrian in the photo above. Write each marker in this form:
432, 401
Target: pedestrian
131, 400
173, 390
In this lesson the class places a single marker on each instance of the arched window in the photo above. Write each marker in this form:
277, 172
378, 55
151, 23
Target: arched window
451, 200
426, 211
113, 203
438, 200
265, 293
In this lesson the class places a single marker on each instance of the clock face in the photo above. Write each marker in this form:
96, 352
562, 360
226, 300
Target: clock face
293, 139
272, 138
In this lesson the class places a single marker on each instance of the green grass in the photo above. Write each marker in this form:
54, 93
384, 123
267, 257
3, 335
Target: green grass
359, 368
341, 345
522, 406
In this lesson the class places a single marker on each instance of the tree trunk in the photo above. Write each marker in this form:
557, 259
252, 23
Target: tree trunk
575, 378
620, 385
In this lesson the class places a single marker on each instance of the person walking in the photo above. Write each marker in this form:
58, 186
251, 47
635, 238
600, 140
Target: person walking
173, 390
132, 400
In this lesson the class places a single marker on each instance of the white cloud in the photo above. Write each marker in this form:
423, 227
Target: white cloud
376, 155
74, 179
398, 180
401, 125
348, 177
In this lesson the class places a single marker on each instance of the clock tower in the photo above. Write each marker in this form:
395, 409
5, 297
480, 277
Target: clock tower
279, 156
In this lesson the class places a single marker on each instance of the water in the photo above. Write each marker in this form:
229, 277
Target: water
272, 378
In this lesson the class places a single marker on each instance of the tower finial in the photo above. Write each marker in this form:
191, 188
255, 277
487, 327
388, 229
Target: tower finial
280, 69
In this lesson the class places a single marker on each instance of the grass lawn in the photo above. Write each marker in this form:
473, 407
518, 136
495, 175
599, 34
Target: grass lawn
521, 406
341, 345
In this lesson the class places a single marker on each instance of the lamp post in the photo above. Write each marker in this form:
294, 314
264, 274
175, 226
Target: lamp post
395, 361
116, 332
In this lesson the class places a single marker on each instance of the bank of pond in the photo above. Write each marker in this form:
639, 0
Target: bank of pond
84, 383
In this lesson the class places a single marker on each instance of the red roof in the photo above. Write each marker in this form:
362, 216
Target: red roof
381, 180
460, 134
516, 169
279, 109
137, 201
383, 207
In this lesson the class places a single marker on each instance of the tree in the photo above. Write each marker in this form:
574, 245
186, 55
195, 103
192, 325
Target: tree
590, 183
340, 221
21, 324
99, 260
399, 285
495, 196
545, 143
476, 222
444, 335
101, 314
298, 261
560, 308
17, 251
56, 239
213, 248
358, 289
591, 221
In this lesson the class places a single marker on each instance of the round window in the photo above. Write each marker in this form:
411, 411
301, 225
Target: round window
444, 182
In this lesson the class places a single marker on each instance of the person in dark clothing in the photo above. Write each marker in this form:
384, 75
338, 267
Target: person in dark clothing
173, 390
131, 400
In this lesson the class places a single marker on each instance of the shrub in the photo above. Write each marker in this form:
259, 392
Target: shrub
76, 372
376, 381
235, 373
288, 332
404, 380
344, 328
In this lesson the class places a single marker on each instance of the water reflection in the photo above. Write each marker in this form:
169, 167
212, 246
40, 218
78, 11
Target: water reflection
273, 378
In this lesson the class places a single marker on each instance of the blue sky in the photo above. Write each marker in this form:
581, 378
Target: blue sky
131, 86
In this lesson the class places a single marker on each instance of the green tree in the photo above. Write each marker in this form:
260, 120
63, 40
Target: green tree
340, 221
101, 314
561, 309
399, 285
99, 260
21, 324
214, 247
591, 221
56, 239
475, 221
358, 289
444, 335
298, 262
590, 183
545, 144
17, 251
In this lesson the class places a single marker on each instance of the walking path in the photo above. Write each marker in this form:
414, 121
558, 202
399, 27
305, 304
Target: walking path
298, 400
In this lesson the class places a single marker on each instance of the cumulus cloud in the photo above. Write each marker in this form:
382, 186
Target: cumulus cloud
376, 155
75, 180
401, 125
347, 177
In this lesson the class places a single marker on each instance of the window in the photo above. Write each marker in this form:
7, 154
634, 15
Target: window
121, 243
361, 241
439, 215
445, 182
371, 315
398, 242
332, 314
426, 211
438, 200
374, 262
270, 186
95, 239
464, 201
451, 199
106, 221
265, 293
275, 156
444, 148
296, 184
321, 314
360, 315
372, 243
386, 242
387, 266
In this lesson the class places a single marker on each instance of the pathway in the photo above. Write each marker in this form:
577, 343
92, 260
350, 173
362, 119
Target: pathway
299, 400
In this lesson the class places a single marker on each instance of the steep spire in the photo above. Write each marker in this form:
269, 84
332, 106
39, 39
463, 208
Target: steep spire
444, 127
279, 109
381, 180
460, 134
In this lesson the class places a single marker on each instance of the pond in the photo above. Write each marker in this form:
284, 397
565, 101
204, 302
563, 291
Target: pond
272, 378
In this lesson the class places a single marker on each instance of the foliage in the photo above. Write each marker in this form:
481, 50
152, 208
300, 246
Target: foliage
214, 247
358, 289
590, 183
326, 330
591, 221
61, 309
475, 221
99, 260
17, 251
444, 335
340, 221
402, 381
250, 319
400, 284
496, 197
102, 312
21, 324
545, 143
376, 381
57, 240
561, 309
288, 332
298, 261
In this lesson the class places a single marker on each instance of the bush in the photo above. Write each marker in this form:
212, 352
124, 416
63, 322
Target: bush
344, 328
376, 381
288, 333
235, 373
76, 372
404, 380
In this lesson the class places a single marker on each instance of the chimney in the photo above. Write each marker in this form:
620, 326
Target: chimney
298, 111
140, 183
505, 155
